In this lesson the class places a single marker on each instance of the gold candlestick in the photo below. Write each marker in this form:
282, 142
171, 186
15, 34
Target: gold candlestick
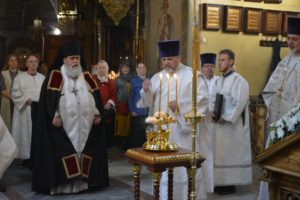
194, 117
168, 97
176, 94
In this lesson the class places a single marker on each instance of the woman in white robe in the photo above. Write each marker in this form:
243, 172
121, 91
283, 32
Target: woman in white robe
26, 89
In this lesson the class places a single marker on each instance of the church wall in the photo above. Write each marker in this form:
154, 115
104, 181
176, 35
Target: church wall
252, 61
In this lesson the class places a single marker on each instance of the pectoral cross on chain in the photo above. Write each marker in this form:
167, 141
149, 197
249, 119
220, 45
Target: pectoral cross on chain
75, 90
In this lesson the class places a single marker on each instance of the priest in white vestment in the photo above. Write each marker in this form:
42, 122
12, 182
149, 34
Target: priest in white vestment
232, 156
282, 91
8, 77
8, 149
181, 131
25, 91
207, 139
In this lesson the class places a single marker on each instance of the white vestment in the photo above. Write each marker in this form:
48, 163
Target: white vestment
207, 140
8, 148
77, 110
25, 87
181, 131
232, 157
281, 94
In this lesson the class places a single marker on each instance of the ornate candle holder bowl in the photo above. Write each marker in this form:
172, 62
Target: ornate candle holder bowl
159, 140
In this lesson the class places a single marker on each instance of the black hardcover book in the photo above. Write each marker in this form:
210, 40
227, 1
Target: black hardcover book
218, 106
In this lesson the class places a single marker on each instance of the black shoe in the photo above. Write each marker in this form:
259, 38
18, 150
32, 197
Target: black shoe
224, 190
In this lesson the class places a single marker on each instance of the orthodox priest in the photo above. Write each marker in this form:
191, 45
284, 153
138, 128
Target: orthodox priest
206, 129
282, 91
69, 151
181, 130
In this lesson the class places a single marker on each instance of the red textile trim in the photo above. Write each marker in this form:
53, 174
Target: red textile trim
55, 79
85, 166
89, 79
71, 165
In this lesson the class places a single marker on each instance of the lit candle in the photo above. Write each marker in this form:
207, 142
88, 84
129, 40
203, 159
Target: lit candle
168, 97
176, 93
160, 85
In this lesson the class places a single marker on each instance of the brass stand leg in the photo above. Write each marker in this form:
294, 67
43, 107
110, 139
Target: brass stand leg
136, 176
189, 173
170, 184
156, 182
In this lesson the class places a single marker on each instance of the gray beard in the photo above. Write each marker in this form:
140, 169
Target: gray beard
73, 72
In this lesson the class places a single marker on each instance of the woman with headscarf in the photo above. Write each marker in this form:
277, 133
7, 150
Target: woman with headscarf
122, 85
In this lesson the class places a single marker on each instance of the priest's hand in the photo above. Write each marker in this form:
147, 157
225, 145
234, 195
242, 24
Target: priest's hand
172, 105
57, 121
97, 119
146, 85
28, 102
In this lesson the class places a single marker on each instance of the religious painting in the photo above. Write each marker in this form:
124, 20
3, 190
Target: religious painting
254, 0
271, 22
252, 20
285, 17
273, 1
212, 16
233, 18
164, 20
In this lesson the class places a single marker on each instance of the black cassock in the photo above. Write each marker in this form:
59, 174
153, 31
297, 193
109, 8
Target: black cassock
55, 160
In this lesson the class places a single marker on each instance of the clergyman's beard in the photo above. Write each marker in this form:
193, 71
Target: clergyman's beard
73, 71
170, 70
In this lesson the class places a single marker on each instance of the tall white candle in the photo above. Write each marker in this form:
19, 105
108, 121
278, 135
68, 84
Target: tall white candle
168, 97
160, 85
176, 93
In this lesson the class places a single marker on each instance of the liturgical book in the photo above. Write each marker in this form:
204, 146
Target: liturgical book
218, 106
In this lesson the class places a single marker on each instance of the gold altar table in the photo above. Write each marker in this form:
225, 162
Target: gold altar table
158, 162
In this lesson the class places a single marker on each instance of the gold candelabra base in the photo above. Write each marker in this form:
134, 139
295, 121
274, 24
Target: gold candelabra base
159, 140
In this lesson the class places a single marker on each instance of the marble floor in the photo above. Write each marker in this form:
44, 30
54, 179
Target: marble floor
18, 184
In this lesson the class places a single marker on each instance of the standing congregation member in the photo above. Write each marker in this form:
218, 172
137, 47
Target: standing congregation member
181, 130
25, 94
69, 153
122, 86
108, 96
206, 139
282, 91
10, 72
137, 135
232, 157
